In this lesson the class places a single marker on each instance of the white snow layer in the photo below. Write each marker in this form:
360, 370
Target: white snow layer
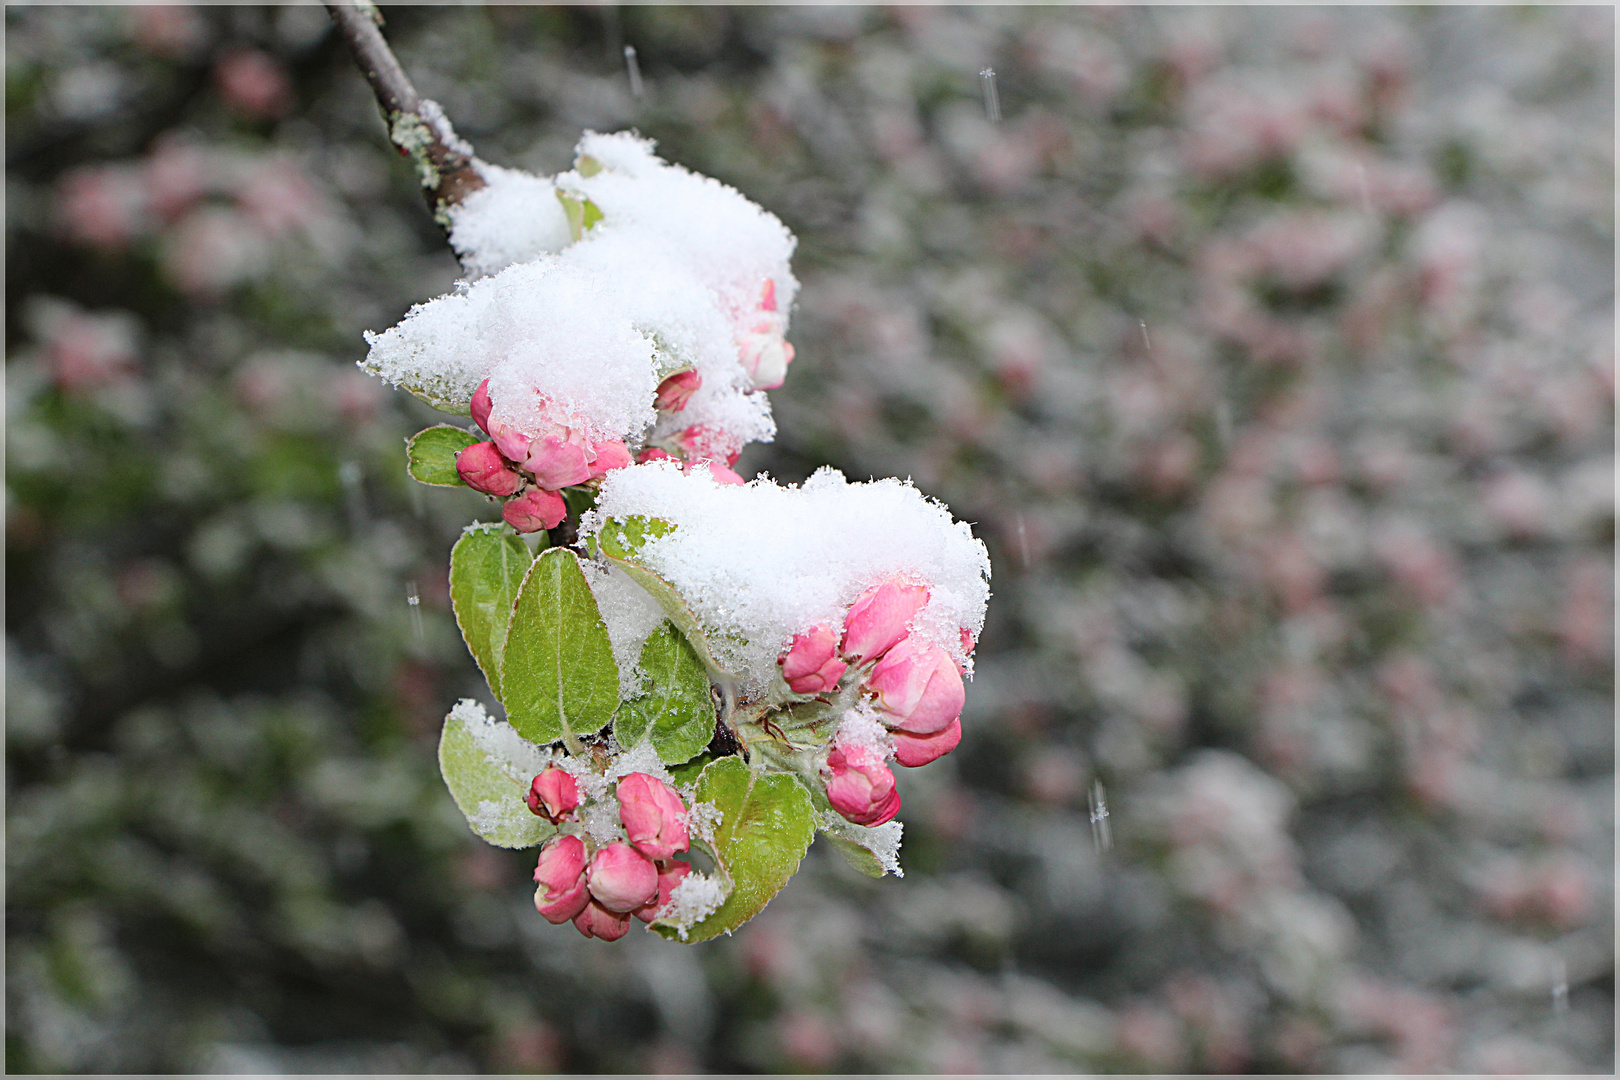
630, 614
732, 244
762, 562
503, 747
515, 218
580, 335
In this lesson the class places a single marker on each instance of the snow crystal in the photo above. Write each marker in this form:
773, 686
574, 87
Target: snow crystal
508, 751
694, 898
515, 218
641, 758
883, 841
762, 562
702, 817
861, 727
433, 113
630, 614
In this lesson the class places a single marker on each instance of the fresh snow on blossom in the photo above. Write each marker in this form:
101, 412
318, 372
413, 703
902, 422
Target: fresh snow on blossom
731, 243
760, 563
515, 218
680, 273
630, 615
504, 748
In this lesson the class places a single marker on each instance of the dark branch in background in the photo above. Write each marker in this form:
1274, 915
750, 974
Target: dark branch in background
416, 127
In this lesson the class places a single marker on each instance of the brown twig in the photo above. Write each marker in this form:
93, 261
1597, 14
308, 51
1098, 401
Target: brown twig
415, 126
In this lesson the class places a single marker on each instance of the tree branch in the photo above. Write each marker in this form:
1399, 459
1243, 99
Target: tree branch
417, 127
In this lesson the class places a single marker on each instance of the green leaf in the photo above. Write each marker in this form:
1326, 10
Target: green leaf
487, 784
431, 455
623, 538
559, 676
581, 213
486, 569
857, 855
677, 711
766, 829
689, 771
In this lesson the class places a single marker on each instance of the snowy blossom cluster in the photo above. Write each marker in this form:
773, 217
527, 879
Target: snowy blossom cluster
599, 891
629, 316
626, 303
864, 600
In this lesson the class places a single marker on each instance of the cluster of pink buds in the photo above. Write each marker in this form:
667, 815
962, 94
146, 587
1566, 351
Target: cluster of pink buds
916, 689
701, 447
761, 346
600, 891
532, 469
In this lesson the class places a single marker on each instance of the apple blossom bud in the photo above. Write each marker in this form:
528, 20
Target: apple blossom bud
859, 785
652, 453
675, 391
481, 405
761, 350
917, 684
598, 922
561, 874
610, 455
721, 474
914, 750
554, 795
670, 875
512, 443
482, 468
621, 878
701, 442
534, 510
654, 816
880, 618
765, 357
557, 463
811, 664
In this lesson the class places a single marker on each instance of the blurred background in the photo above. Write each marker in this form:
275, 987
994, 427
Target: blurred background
1270, 351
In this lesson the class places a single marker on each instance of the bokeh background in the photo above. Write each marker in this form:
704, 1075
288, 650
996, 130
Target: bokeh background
1271, 352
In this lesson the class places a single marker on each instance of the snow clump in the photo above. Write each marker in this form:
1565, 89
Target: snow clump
760, 563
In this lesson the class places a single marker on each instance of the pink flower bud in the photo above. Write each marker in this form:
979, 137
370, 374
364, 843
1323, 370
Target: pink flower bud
534, 510
675, 391
701, 442
721, 474
652, 453
557, 463
621, 878
914, 750
554, 795
598, 922
561, 874
481, 406
859, 785
609, 456
811, 664
765, 357
669, 876
969, 643
482, 468
767, 295
512, 443
654, 816
879, 618
918, 685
